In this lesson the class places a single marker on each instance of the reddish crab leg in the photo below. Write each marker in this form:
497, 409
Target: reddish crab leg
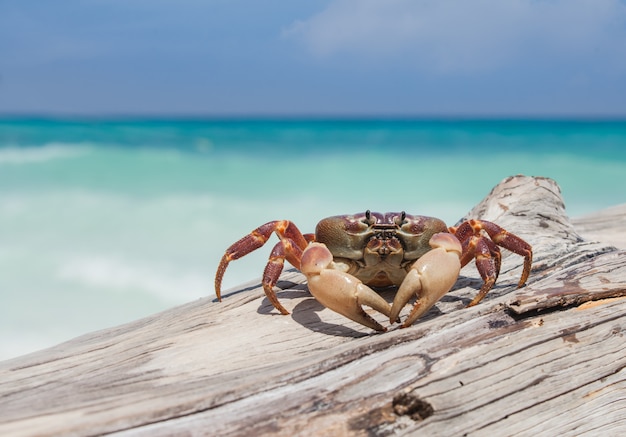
286, 248
487, 254
292, 243
488, 258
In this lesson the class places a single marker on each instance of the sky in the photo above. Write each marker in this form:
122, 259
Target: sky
313, 58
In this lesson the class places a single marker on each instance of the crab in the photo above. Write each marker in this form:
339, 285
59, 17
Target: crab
349, 256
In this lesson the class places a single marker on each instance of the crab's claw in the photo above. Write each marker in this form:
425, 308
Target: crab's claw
340, 291
429, 278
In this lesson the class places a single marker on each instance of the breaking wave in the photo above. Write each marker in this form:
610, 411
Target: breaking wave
13, 155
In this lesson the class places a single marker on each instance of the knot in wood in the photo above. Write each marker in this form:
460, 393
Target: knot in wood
407, 404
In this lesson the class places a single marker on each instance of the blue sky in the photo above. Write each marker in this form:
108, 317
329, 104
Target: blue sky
329, 57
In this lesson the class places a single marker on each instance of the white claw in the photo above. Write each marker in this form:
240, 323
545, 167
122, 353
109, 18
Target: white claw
340, 291
429, 278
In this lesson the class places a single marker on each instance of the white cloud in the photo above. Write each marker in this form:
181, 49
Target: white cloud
459, 35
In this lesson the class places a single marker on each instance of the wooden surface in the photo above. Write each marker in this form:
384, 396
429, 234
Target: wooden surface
547, 359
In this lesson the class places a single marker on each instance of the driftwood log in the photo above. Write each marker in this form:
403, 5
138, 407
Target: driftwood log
546, 359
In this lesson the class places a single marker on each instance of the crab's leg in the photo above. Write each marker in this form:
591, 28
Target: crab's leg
429, 278
340, 291
502, 238
285, 248
285, 230
488, 259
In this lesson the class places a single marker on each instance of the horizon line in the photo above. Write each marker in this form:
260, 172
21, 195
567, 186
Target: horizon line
110, 116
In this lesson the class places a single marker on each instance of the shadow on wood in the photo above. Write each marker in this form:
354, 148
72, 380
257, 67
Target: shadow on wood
546, 359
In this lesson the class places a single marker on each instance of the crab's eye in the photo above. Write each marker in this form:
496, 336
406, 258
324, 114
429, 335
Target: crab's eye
401, 220
368, 217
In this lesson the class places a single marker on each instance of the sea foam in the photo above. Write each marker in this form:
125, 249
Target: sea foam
117, 275
26, 155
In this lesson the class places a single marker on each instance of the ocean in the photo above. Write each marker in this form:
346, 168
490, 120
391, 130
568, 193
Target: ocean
106, 221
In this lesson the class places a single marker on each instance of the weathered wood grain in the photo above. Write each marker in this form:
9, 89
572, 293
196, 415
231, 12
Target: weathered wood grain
608, 225
547, 359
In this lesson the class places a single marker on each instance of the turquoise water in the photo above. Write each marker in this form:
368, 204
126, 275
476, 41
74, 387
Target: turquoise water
102, 222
